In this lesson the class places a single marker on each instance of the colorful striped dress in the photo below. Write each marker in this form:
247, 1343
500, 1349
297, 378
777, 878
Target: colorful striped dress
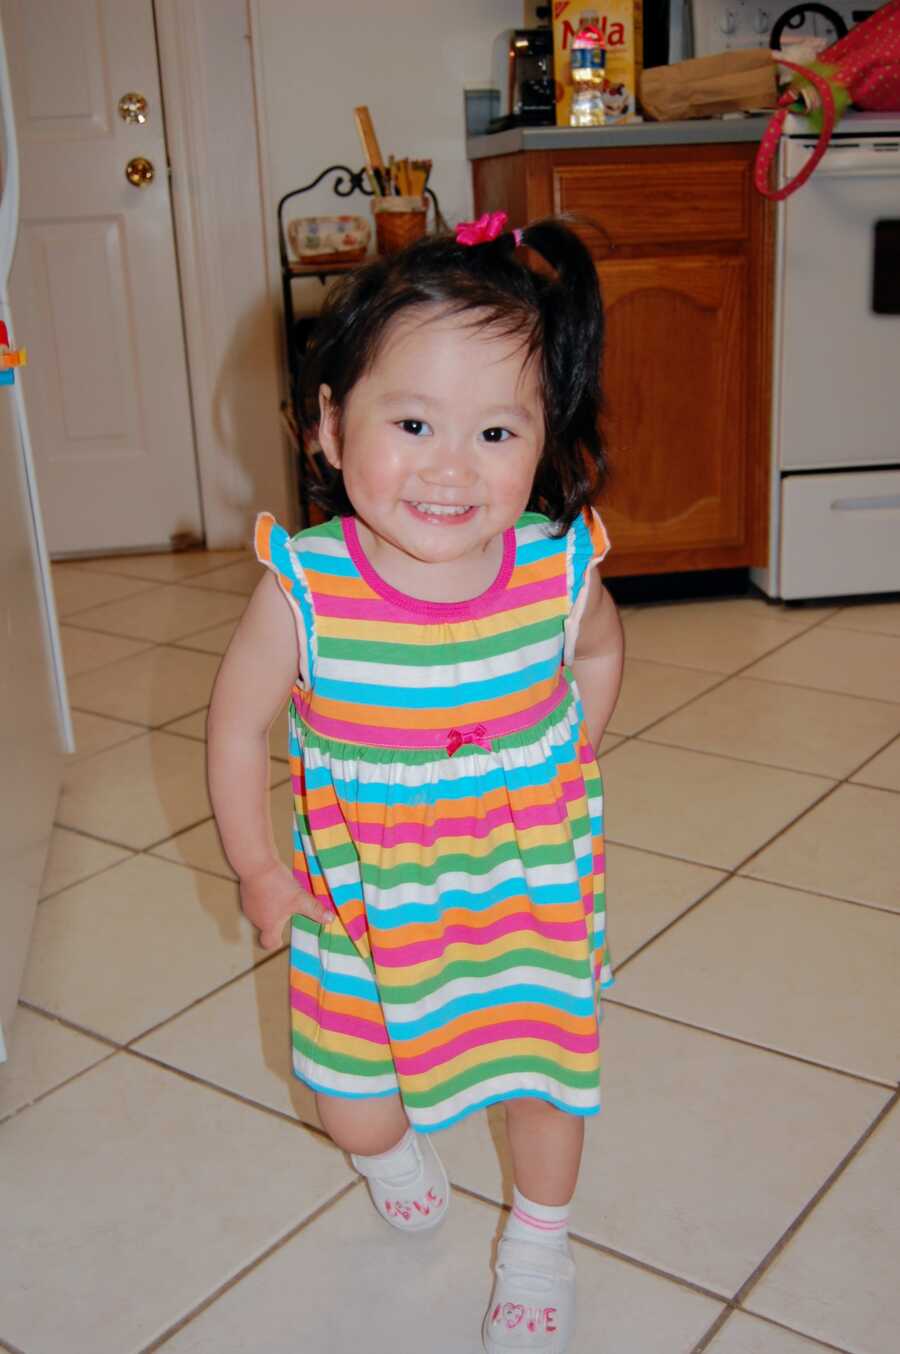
449, 808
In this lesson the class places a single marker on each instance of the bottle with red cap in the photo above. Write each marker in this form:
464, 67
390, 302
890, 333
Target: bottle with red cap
587, 70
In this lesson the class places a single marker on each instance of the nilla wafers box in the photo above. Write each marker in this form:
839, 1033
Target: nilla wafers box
622, 24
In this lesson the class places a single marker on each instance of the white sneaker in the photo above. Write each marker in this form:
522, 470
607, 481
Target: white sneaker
410, 1190
532, 1307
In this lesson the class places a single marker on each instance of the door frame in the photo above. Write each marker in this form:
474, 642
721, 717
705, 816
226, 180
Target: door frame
193, 99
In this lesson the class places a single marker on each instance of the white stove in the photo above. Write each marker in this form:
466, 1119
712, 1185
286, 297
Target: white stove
835, 506
835, 475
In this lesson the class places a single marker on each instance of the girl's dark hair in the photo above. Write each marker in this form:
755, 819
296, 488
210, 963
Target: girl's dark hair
557, 310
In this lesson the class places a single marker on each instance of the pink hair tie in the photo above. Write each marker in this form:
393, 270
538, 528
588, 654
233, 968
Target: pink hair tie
485, 229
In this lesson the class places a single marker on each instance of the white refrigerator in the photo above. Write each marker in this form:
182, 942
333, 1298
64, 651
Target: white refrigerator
35, 727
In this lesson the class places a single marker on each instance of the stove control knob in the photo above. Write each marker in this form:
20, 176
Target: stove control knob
728, 22
762, 21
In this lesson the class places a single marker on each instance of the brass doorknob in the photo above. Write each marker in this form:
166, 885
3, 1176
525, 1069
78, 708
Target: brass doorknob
133, 108
139, 172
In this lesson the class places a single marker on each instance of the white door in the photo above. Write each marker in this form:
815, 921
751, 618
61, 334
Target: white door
95, 281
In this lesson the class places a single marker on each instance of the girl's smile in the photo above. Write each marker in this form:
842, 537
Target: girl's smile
438, 443
444, 514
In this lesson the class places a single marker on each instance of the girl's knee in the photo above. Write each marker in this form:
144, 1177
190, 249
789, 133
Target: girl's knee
364, 1127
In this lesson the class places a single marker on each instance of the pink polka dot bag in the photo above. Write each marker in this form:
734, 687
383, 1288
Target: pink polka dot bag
862, 68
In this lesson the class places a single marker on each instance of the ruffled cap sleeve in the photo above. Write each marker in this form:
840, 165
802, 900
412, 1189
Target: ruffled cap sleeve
587, 543
275, 549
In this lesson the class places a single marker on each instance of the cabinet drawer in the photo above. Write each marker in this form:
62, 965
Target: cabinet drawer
840, 534
654, 203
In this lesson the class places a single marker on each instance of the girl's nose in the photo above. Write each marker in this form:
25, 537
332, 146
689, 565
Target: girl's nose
449, 464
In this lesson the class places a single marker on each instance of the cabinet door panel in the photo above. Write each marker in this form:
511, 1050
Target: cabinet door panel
675, 388
679, 202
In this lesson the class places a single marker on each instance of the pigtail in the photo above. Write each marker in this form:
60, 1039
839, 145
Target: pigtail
571, 356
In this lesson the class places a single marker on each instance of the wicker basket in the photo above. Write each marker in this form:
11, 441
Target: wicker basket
398, 222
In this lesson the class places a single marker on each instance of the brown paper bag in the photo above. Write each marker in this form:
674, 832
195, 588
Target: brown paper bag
710, 85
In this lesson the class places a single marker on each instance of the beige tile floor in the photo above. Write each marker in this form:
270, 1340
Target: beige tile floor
164, 1183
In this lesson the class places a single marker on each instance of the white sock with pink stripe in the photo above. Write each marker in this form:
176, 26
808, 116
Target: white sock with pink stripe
540, 1224
532, 1306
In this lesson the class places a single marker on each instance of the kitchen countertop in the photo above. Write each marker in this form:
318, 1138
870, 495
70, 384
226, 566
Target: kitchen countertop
697, 131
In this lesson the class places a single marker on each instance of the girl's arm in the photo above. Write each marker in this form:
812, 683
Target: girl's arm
599, 654
252, 686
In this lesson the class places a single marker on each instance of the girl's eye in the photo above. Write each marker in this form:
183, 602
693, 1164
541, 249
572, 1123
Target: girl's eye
416, 427
496, 434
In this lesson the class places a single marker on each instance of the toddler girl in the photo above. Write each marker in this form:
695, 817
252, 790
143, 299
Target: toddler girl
451, 659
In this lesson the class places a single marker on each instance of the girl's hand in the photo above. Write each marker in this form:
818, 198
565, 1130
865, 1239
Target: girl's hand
271, 897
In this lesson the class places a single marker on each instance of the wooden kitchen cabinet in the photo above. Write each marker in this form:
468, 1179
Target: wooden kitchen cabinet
683, 248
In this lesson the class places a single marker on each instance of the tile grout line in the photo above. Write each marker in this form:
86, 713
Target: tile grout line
69, 1024
729, 877
791, 1231
724, 1317
149, 646
772, 766
860, 1077
194, 1078
51, 1090
859, 630
82, 561
734, 871
151, 642
154, 854
127, 1047
78, 757
657, 935
781, 644
258, 964
724, 756
836, 785
242, 1273
601, 1248
95, 874
65, 618
820, 893
735, 1303
741, 672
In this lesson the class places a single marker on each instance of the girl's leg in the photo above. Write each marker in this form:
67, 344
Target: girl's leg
406, 1180
532, 1306
546, 1148
364, 1127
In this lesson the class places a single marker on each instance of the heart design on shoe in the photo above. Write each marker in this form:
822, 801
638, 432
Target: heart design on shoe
513, 1314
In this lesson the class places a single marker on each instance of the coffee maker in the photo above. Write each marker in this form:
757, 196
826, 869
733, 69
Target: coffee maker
522, 73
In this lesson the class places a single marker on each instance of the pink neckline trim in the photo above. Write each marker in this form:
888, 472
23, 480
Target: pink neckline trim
448, 610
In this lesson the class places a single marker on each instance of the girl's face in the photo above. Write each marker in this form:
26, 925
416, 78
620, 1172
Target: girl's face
441, 437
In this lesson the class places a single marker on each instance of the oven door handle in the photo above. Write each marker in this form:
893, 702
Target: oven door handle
878, 501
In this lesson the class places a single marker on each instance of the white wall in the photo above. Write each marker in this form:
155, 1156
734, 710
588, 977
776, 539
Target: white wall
408, 60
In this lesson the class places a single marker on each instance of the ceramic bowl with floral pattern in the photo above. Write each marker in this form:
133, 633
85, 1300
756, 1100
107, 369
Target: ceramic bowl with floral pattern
315, 239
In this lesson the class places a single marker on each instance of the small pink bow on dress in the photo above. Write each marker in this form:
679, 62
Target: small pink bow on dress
485, 229
456, 738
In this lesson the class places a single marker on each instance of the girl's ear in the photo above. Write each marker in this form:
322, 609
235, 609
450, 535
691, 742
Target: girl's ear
329, 428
